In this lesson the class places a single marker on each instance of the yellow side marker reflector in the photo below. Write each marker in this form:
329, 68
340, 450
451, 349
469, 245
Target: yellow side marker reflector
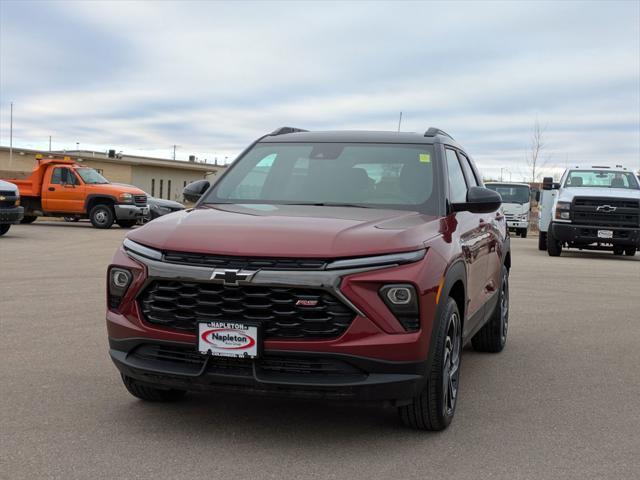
440, 286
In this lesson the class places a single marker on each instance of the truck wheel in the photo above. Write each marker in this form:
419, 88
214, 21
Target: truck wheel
149, 393
101, 216
433, 409
126, 223
554, 247
4, 228
618, 250
542, 241
630, 252
523, 233
28, 219
493, 336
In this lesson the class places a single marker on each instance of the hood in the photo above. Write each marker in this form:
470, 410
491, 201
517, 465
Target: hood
515, 208
567, 194
160, 202
8, 186
115, 189
288, 231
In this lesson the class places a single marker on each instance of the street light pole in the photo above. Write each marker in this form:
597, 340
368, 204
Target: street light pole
11, 134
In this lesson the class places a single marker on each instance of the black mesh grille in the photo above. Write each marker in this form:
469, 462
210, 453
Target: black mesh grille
622, 212
251, 263
180, 305
10, 199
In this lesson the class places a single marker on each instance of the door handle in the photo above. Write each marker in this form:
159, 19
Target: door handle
52, 189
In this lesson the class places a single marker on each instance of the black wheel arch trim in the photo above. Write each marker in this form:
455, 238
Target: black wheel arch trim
93, 196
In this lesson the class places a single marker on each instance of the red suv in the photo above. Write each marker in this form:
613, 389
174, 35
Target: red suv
343, 265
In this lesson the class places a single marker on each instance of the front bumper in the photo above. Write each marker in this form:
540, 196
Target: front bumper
130, 212
290, 373
11, 214
580, 235
517, 224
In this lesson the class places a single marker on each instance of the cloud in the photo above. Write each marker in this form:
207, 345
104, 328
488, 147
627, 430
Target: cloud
213, 76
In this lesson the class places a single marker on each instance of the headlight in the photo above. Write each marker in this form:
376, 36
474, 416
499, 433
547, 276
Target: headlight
563, 211
125, 198
119, 281
402, 300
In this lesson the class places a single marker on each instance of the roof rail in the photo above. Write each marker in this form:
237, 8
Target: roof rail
285, 130
432, 132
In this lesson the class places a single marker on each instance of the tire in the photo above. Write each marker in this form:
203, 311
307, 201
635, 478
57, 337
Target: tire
523, 233
126, 223
554, 247
4, 228
433, 409
542, 241
492, 337
151, 394
28, 219
101, 216
618, 250
630, 252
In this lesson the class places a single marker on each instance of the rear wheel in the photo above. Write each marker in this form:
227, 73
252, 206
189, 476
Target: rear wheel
630, 252
493, 336
434, 407
523, 233
127, 223
554, 246
149, 393
542, 241
101, 216
4, 228
28, 219
618, 250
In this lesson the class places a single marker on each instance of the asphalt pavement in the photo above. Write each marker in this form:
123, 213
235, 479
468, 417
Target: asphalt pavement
561, 401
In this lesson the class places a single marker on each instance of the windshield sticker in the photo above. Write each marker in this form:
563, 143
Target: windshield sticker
425, 158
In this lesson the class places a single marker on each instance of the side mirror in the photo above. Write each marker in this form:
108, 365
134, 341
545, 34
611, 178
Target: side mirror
195, 190
555, 186
479, 200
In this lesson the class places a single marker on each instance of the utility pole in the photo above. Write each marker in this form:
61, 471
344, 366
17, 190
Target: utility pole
174, 152
49, 142
78, 146
11, 134
399, 122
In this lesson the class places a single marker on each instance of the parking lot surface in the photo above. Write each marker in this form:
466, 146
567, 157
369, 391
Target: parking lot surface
561, 401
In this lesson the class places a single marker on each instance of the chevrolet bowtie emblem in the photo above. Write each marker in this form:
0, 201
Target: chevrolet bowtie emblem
232, 277
606, 209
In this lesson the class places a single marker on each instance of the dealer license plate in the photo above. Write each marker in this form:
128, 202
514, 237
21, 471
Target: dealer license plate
228, 339
605, 233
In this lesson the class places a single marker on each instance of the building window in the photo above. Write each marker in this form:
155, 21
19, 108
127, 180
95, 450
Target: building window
153, 187
168, 189
161, 185
184, 184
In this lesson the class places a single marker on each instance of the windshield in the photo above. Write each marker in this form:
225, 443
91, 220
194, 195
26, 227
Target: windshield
601, 178
89, 175
510, 193
335, 174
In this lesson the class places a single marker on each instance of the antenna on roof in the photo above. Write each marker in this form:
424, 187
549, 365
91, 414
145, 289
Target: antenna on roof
399, 122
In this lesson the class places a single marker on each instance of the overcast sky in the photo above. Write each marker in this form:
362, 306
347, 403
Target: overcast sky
212, 76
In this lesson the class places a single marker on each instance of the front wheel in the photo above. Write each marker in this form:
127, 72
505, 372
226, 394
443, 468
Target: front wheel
149, 393
523, 233
4, 228
618, 250
554, 246
28, 219
630, 252
101, 216
542, 241
434, 407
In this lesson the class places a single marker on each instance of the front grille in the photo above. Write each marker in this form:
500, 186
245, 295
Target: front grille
626, 213
10, 198
180, 305
251, 263
140, 199
267, 365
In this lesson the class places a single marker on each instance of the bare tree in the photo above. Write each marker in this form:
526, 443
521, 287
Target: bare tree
536, 148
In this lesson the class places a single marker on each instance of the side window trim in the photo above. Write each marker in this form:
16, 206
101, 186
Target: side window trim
464, 160
448, 176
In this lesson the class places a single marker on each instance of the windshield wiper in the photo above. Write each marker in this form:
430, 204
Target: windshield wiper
328, 204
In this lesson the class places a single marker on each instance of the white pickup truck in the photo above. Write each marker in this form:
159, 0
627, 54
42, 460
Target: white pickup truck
516, 203
10, 210
594, 208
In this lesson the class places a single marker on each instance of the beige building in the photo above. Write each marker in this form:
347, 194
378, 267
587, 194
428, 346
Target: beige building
162, 178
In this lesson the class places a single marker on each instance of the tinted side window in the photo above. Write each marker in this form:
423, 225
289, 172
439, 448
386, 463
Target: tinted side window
56, 176
457, 184
468, 171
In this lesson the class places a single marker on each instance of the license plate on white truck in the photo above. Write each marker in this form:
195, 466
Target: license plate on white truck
605, 233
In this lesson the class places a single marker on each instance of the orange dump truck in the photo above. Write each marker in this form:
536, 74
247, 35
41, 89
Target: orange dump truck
64, 188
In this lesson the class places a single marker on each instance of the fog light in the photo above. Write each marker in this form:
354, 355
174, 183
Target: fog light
119, 281
120, 278
399, 295
402, 300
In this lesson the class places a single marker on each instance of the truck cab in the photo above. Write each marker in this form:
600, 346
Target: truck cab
10, 210
591, 208
516, 203
64, 188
